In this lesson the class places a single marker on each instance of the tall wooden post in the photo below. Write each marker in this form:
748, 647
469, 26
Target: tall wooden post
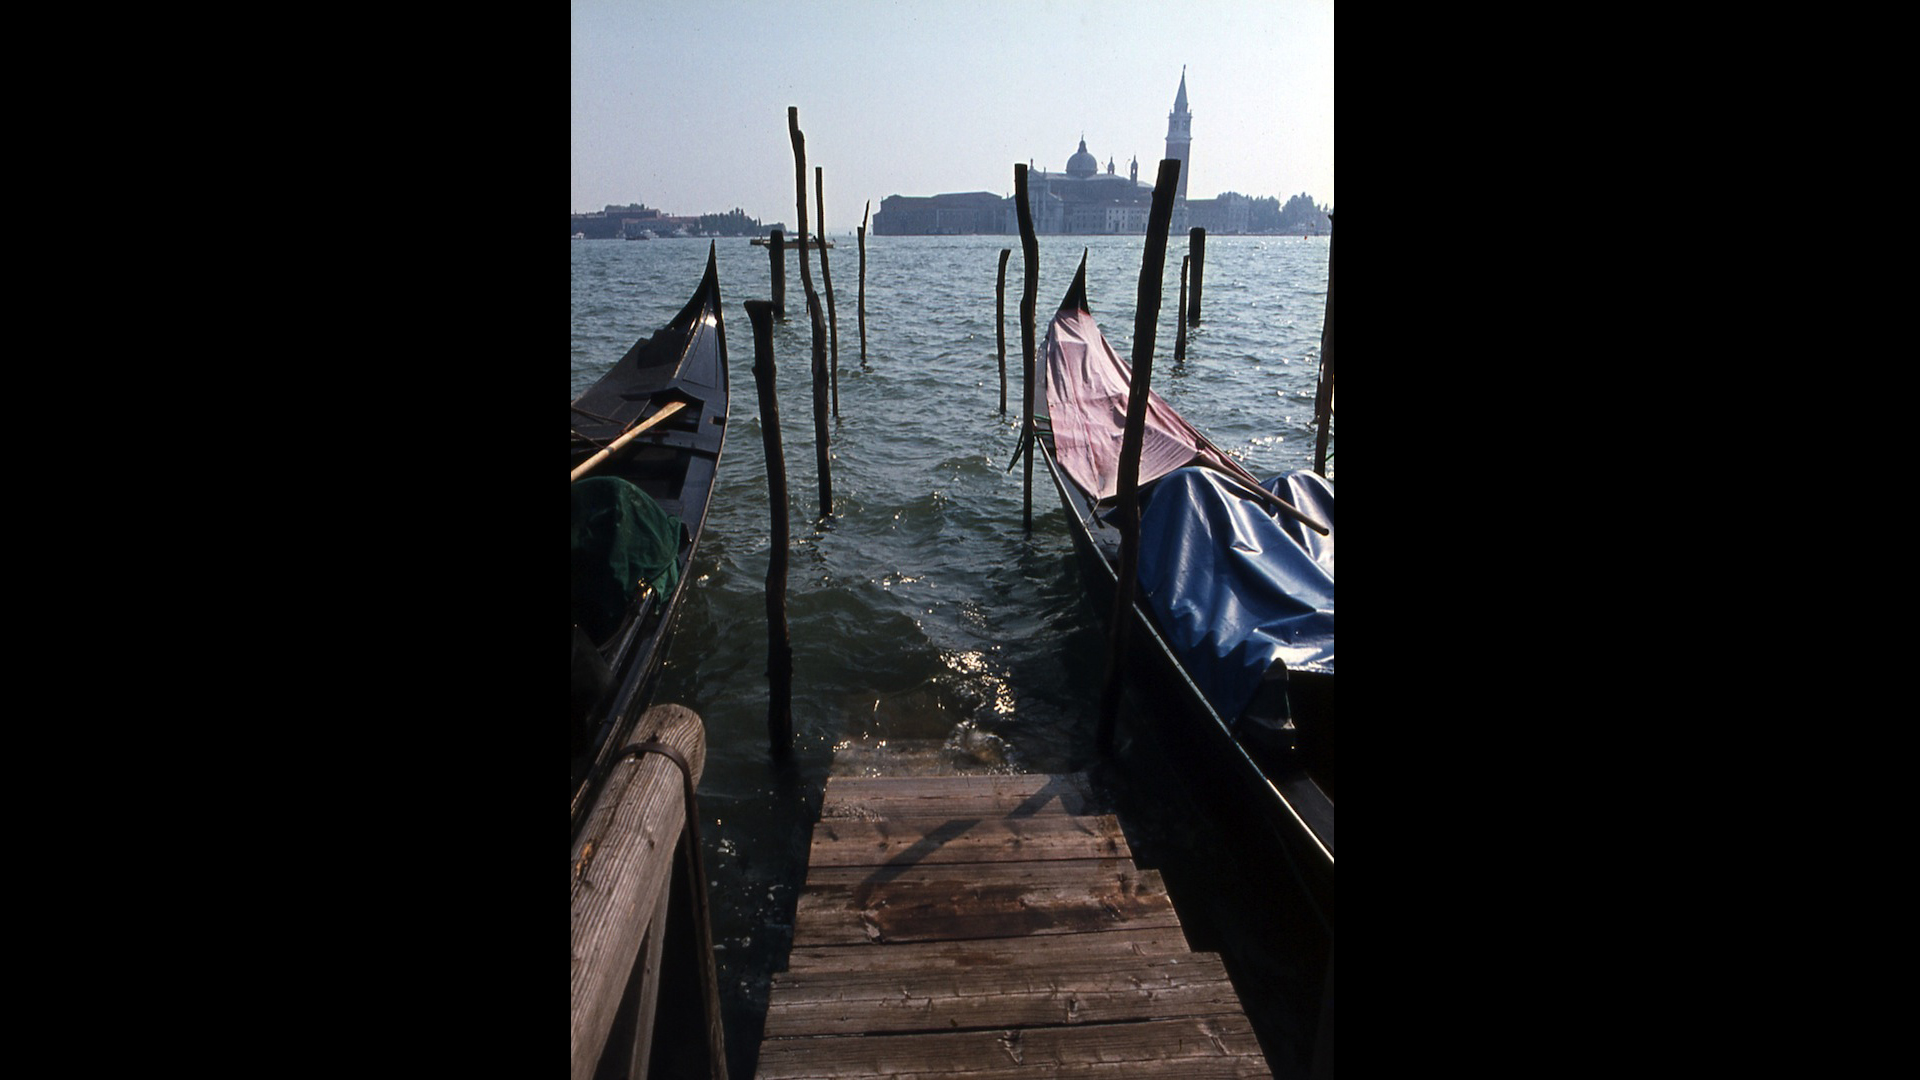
826, 282
779, 641
622, 874
777, 251
1030, 250
1323, 396
1000, 325
863, 283
800, 190
1197, 243
1152, 266
1180, 314
820, 452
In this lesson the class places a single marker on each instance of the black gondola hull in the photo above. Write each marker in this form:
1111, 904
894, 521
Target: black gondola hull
1289, 806
676, 463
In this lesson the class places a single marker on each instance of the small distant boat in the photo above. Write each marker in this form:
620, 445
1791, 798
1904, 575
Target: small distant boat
579, 236
646, 449
1232, 632
643, 234
814, 243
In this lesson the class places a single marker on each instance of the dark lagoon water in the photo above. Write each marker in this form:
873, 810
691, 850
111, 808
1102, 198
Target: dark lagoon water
930, 630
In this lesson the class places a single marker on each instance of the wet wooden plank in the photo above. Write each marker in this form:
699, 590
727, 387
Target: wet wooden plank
1117, 946
1084, 991
965, 838
1213, 1046
915, 796
971, 900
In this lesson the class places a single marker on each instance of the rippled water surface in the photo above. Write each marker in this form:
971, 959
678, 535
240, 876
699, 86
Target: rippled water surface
926, 622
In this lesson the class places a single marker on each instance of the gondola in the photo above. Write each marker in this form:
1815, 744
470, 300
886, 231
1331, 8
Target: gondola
646, 449
1239, 671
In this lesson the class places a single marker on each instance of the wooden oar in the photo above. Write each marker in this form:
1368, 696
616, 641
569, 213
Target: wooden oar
1275, 502
666, 410
1261, 494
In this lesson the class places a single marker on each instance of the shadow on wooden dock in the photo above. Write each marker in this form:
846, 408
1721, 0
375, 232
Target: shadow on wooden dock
992, 925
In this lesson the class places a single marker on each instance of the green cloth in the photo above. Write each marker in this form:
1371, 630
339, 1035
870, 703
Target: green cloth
621, 537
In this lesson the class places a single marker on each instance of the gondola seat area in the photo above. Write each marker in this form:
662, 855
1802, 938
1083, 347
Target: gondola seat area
1244, 595
622, 540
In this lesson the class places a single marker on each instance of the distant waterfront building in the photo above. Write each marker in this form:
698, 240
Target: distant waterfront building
941, 215
1231, 212
1081, 201
636, 219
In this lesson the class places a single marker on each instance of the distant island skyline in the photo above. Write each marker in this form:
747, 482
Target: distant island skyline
1083, 200
634, 219
1243, 214
927, 99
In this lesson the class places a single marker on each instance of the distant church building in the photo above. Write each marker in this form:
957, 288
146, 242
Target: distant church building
1086, 201
1180, 146
1081, 201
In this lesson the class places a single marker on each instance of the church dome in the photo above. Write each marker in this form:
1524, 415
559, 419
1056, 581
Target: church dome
1082, 164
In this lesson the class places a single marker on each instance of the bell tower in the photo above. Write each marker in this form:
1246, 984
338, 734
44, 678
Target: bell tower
1180, 135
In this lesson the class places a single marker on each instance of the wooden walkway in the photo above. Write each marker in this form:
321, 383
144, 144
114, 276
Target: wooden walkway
991, 926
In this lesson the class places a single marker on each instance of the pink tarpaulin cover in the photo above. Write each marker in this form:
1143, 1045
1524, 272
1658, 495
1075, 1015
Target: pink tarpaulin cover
1087, 389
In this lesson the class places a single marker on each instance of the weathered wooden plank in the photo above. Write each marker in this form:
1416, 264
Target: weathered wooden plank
1012, 975
1115, 945
958, 901
1214, 1046
1084, 991
918, 796
1040, 872
979, 804
918, 840
1020, 940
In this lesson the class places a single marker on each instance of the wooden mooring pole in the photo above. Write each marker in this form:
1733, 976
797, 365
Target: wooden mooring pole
800, 191
820, 452
1152, 266
1030, 251
863, 282
777, 251
822, 455
826, 282
1323, 396
640, 914
1179, 314
1000, 324
779, 639
1197, 243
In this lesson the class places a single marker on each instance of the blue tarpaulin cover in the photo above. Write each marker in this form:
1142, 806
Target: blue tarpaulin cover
1235, 585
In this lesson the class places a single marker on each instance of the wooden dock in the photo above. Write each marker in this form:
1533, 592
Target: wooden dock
991, 926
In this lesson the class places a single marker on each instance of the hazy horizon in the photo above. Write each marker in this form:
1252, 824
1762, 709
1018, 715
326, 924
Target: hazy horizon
683, 106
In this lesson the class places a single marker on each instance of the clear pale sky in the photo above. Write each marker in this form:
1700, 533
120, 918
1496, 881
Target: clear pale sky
682, 104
